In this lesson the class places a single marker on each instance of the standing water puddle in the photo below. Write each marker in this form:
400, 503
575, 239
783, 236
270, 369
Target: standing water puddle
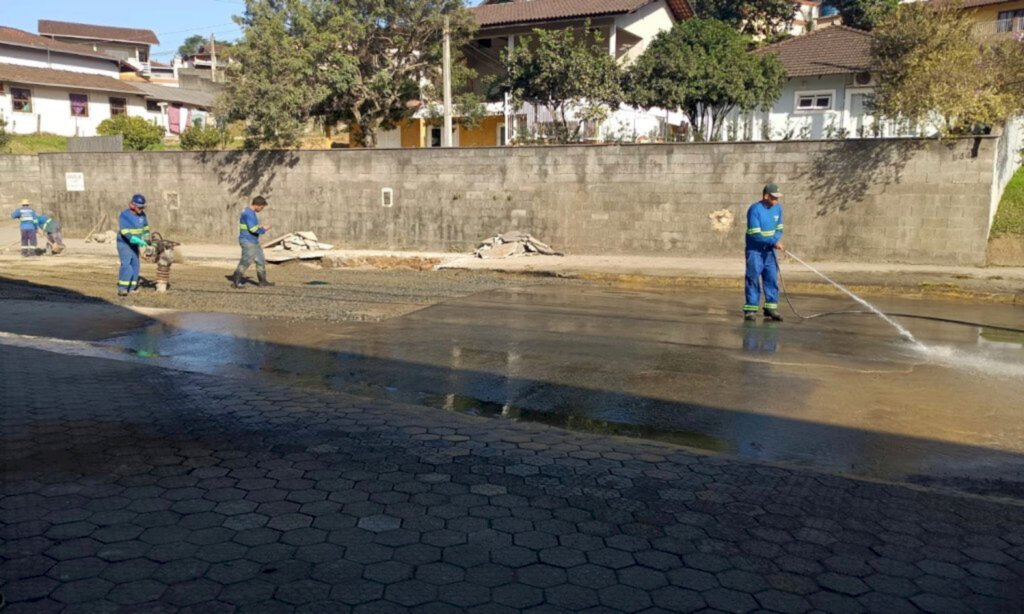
839, 394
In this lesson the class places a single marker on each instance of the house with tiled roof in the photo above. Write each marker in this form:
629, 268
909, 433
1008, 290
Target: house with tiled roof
55, 87
829, 83
129, 45
626, 28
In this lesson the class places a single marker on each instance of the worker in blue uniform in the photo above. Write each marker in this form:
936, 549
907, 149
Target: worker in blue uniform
133, 234
26, 217
249, 232
54, 237
764, 237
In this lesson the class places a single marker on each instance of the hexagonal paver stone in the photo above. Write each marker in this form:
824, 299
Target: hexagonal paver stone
624, 598
411, 593
571, 597
379, 523
440, 573
288, 522
302, 591
81, 591
353, 591
488, 490
140, 591
249, 592
542, 576
191, 593
463, 594
388, 572
518, 596
490, 575
234, 571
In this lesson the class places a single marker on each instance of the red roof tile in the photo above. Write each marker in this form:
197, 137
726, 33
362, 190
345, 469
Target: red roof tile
27, 75
835, 50
20, 38
517, 12
102, 33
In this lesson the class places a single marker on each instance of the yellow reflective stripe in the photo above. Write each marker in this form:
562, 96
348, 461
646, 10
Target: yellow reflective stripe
753, 231
124, 283
767, 233
750, 308
771, 305
133, 231
779, 227
252, 229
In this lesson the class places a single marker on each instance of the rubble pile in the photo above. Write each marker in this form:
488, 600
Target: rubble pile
296, 246
512, 244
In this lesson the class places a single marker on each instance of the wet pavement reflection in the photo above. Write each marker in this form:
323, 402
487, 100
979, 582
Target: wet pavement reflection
840, 393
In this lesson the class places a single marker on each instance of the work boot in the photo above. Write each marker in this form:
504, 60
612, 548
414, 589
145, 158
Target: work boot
773, 314
749, 315
263, 280
236, 281
122, 293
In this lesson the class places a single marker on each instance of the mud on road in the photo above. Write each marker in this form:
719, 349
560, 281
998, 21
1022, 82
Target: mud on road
302, 290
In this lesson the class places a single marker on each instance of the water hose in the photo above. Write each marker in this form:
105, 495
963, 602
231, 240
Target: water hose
800, 316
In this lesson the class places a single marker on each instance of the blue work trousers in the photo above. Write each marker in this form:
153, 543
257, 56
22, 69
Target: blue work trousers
28, 242
762, 266
252, 252
128, 276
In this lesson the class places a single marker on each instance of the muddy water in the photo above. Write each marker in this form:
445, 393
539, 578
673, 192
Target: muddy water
840, 393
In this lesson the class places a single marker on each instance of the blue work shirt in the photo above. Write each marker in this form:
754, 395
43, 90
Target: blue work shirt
26, 215
132, 224
41, 221
764, 226
249, 229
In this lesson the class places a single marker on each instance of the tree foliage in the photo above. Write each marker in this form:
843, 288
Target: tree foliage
197, 44
934, 69
570, 72
358, 61
138, 133
702, 68
763, 19
864, 14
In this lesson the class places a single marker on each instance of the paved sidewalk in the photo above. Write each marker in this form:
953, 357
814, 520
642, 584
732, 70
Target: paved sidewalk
135, 488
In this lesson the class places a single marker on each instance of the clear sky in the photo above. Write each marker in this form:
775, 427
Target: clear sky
173, 21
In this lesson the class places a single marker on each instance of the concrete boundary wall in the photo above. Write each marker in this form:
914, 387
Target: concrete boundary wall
911, 201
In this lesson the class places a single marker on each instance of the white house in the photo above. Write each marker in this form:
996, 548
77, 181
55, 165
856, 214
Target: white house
827, 91
50, 86
58, 88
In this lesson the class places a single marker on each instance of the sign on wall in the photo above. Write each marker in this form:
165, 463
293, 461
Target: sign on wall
75, 181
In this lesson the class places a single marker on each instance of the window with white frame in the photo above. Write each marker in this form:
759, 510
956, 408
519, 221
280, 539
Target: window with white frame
21, 100
814, 101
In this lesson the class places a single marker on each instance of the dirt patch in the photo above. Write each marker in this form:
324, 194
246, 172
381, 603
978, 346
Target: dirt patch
1006, 251
381, 263
302, 291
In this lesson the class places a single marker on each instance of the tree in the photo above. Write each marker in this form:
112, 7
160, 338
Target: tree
763, 19
197, 43
933, 69
358, 61
702, 68
864, 14
200, 137
139, 134
569, 72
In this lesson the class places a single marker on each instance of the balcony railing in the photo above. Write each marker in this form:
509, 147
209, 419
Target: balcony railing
1011, 28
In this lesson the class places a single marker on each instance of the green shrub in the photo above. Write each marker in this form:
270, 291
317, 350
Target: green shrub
4, 137
139, 134
198, 136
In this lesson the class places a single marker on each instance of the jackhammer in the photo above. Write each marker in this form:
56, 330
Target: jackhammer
162, 253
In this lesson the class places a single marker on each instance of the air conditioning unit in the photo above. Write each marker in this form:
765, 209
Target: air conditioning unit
864, 79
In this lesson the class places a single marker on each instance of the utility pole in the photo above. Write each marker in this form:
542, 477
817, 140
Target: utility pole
446, 132
213, 58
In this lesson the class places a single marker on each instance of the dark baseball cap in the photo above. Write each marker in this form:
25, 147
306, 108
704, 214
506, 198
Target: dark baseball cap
773, 190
